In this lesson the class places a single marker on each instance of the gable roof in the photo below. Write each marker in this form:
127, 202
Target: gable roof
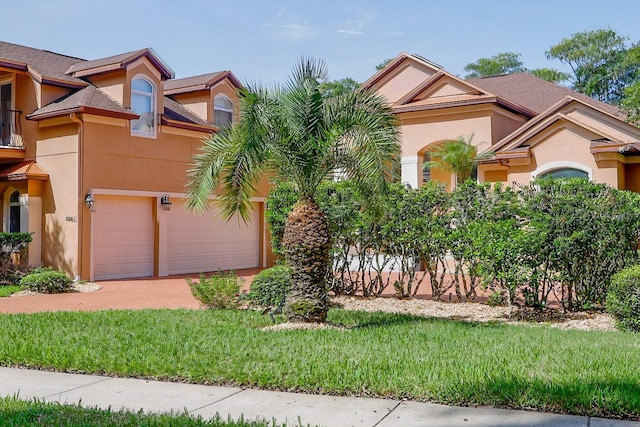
46, 67
536, 94
393, 64
517, 141
87, 100
118, 62
201, 82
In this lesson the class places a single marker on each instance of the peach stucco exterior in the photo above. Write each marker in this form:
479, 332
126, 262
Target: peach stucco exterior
521, 139
70, 149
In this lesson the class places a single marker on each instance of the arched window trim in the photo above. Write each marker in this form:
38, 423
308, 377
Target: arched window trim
550, 167
154, 106
218, 108
8, 204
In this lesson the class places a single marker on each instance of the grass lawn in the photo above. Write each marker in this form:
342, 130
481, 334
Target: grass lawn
388, 355
6, 290
19, 413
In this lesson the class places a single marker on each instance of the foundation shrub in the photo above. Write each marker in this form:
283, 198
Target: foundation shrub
219, 290
270, 287
13, 263
623, 298
47, 280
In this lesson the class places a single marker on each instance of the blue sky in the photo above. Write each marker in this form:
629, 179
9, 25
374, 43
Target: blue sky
262, 40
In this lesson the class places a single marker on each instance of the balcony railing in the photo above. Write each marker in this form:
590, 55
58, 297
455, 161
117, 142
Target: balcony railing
10, 130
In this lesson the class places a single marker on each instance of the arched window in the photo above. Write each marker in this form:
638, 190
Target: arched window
222, 111
14, 212
566, 173
143, 102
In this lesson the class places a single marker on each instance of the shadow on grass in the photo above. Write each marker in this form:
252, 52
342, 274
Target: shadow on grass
364, 319
606, 399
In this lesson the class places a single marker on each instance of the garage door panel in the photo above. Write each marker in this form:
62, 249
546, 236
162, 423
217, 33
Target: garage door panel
123, 238
199, 243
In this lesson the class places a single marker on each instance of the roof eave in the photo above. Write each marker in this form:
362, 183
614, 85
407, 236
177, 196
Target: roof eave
188, 126
83, 109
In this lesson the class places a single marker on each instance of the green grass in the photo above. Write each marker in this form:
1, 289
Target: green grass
19, 413
7, 290
568, 371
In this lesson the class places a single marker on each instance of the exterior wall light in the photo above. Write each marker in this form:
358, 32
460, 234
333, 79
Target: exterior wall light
166, 202
90, 202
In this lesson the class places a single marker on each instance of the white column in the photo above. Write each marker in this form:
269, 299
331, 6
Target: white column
31, 222
409, 171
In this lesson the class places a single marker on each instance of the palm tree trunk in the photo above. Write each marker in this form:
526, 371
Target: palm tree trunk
307, 244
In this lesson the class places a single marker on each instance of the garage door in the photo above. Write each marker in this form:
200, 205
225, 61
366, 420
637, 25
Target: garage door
122, 241
204, 242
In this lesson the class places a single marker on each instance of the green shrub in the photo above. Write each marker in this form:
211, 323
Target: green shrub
623, 298
47, 280
220, 290
271, 286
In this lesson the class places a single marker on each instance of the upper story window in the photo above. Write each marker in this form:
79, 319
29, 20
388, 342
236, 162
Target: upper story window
143, 102
222, 111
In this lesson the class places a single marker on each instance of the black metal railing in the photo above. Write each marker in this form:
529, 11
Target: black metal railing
10, 129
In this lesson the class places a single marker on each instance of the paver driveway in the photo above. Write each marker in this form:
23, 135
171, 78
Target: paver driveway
155, 292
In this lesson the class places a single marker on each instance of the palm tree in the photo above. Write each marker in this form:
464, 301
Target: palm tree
305, 135
457, 156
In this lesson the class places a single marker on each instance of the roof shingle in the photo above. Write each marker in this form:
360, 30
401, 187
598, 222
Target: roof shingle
47, 65
536, 94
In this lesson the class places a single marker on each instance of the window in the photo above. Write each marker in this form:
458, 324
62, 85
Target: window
222, 111
566, 173
426, 167
143, 102
14, 212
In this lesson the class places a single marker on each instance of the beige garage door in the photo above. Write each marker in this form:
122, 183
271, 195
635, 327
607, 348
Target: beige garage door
203, 242
122, 241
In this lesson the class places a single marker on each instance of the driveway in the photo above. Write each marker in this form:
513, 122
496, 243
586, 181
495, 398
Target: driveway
154, 292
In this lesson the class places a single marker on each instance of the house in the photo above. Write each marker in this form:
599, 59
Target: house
94, 157
527, 127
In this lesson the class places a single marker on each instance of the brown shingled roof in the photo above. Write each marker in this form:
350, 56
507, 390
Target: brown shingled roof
175, 111
47, 67
88, 99
117, 62
536, 94
201, 82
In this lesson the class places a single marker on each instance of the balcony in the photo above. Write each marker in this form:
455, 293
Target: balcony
11, 143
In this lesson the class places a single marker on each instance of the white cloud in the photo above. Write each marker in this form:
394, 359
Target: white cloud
352, 32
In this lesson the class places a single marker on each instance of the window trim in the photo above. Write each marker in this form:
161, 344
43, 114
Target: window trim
550, 167
154, 105
226, 110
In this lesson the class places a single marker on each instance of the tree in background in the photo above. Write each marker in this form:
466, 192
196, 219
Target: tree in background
305, 135
502, 63
550, 75
507, 63
383, 64
339, 87
631, 101
600, 62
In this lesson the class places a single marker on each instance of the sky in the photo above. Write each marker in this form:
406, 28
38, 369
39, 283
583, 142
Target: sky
261, 41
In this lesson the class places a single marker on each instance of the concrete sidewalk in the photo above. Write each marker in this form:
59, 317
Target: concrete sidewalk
206, 401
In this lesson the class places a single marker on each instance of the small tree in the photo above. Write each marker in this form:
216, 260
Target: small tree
458, 156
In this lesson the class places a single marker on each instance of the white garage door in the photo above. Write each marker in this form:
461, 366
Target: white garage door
204, 242
123, 236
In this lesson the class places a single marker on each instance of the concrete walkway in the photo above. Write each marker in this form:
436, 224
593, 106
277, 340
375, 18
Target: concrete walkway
292, 408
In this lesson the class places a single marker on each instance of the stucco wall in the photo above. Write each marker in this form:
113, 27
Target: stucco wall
57, 153
565, 146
